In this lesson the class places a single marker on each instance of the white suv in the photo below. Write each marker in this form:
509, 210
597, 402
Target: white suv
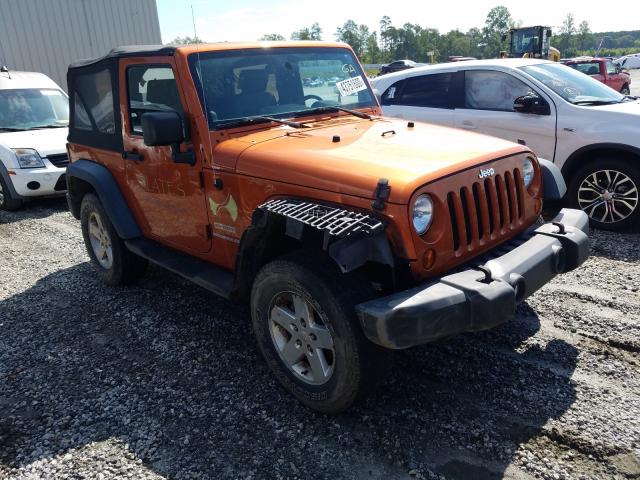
34, 119
586, 128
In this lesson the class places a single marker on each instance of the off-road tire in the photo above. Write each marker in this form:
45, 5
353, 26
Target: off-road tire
7, 202
630, 168
126, 267
359, 365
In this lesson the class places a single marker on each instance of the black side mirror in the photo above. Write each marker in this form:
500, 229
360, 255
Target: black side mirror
166, 128
531, 103
161, 128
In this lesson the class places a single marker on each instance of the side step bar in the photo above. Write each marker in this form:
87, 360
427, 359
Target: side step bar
206, 275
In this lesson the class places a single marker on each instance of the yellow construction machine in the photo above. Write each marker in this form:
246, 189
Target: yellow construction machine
532, 42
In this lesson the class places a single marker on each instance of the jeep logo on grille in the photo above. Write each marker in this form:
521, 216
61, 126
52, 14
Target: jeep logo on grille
486, 172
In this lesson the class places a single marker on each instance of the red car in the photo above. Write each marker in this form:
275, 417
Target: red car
603, 70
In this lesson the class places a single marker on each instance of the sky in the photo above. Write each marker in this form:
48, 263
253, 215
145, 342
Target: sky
234, 20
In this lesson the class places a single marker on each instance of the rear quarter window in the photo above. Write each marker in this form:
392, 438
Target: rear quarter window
430, 91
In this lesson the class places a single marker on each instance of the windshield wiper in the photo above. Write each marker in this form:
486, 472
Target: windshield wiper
595, 102
53, 125
12, 129
257, 119
333, 108
630, 97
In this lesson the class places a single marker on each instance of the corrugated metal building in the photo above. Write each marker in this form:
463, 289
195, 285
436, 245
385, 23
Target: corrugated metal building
46, 35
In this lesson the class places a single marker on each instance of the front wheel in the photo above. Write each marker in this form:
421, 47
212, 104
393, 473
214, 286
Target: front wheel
112, 261
304, 321
607, 191
625, 90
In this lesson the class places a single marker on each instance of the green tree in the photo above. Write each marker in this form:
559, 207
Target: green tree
585, 37
373, 54
355, 35
496, 28
271, 37
308, 33
185, 40
567, 40
498, 20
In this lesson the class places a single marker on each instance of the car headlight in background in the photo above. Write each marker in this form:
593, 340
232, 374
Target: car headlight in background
422, 214
527, 172
28, 158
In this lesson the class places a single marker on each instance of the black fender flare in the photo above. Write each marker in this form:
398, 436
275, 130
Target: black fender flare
553, 182
109, 193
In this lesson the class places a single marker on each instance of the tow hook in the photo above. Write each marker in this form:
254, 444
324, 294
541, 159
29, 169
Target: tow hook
560, 226
487, 274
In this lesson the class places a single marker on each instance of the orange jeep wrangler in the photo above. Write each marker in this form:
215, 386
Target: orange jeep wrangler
264, 171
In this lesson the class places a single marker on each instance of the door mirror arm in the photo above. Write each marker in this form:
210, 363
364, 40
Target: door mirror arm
187, 157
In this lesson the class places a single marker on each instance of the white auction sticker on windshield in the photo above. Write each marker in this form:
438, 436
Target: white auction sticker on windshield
351, 86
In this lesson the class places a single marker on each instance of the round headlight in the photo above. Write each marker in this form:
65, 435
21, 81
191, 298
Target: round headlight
422, 214
527, 172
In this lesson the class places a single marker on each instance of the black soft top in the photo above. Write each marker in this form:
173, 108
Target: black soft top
128, 51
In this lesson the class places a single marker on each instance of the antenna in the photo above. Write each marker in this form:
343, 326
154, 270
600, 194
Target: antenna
204, 93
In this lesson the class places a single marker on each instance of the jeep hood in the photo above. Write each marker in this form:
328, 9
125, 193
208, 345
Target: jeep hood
349, 156
46, 141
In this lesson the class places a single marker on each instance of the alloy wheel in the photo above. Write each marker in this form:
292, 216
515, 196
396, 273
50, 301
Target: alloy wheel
608, 196
302, 340
100, 241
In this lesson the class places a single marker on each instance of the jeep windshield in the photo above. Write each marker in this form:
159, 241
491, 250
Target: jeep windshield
237, 86
33, 108
573, 86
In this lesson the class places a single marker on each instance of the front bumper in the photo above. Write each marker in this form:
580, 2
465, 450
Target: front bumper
36, 182
480, 297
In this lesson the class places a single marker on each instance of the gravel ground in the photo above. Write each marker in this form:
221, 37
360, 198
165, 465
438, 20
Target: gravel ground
163, 380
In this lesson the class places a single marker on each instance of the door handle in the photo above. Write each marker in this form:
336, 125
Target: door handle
469, 125
132, 156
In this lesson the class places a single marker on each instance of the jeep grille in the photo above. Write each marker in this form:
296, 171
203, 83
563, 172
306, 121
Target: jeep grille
486, 210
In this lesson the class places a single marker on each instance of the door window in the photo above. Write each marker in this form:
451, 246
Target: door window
151, 88
492, 90
611, 68
425, 91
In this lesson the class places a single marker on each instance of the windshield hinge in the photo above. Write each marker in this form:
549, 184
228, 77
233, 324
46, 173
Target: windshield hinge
381, 194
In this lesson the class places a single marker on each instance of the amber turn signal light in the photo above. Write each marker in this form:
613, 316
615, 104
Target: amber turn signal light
429, 259
538, 205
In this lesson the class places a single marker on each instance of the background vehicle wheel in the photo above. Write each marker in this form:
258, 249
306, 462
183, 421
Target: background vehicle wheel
112, 261
305, 324
625, 90
607, 190
7, 202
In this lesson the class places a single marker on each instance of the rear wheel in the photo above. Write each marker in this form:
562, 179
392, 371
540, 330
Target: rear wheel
7, 202
111, 259
305, 324
607, 191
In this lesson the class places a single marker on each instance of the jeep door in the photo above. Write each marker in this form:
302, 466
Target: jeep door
424, 97
484, 104
167, 197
